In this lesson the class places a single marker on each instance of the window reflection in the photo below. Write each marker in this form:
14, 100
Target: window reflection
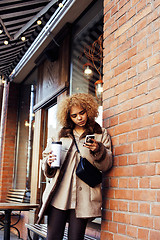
86, 71
52, 120
86, 76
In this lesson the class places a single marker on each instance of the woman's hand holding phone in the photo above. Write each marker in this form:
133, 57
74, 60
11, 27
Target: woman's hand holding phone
91, 143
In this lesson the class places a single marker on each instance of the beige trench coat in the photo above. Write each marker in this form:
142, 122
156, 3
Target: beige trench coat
88, 200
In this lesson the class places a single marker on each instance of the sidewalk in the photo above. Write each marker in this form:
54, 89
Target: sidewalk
13, 237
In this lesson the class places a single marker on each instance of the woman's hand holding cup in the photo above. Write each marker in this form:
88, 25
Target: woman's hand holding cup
51, 158
54, 156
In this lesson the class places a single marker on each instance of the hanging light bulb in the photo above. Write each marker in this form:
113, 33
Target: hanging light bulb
88, 70
26, 123
3, 81
1, 31
6, 42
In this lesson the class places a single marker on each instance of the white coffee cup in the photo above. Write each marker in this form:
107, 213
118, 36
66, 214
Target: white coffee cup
56, 148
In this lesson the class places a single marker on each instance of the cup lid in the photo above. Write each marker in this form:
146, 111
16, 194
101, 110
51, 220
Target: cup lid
57, 142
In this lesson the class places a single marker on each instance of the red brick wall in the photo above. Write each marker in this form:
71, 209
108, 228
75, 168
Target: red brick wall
131, 104
8, 157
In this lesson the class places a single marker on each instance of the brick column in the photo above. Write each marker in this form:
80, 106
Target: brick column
9, 145
131, 103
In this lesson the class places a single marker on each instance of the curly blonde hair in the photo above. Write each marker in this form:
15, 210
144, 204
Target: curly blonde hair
84, 100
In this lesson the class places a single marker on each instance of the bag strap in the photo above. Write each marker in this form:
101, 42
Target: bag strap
75, 143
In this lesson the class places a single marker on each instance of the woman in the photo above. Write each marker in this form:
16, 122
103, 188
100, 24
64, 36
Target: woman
66, 197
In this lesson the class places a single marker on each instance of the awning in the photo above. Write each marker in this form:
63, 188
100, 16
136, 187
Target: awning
19, 18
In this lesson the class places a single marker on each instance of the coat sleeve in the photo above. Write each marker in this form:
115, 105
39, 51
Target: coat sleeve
48, 172
103, 158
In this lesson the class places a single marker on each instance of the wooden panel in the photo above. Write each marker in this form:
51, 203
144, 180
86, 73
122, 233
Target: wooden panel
53, 77
48, 80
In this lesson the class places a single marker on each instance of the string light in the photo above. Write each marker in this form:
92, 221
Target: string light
39, 22
23, 38
60, 4
6, 42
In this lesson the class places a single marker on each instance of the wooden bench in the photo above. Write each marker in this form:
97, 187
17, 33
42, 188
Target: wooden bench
18, 196
40, 230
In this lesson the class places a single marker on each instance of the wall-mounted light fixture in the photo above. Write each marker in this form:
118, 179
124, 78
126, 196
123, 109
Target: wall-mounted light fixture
99, 88
94, 55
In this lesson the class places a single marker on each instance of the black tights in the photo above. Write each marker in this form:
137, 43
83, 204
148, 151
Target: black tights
56, 224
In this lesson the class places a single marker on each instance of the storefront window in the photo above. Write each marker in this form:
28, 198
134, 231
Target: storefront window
86, 72
50, 123
24, 140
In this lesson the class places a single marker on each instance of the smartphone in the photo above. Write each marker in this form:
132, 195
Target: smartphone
89, 138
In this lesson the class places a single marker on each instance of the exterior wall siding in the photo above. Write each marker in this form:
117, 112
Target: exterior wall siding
131, 104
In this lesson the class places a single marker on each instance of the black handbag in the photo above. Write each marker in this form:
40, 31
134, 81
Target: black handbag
87, 172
